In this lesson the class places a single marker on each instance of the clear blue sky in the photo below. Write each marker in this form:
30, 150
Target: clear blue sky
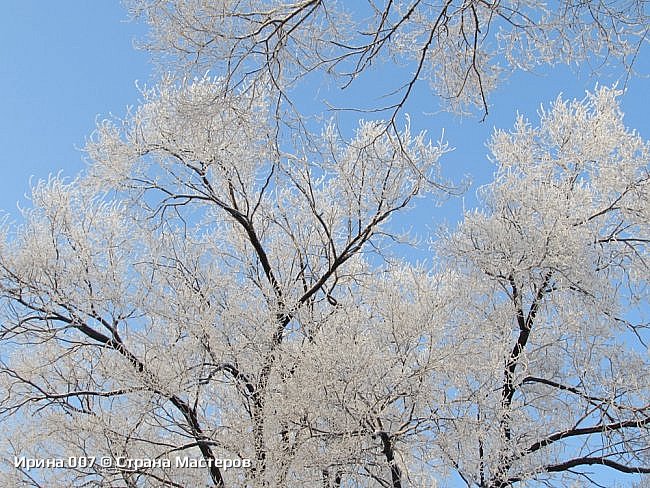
64, 64
61, 65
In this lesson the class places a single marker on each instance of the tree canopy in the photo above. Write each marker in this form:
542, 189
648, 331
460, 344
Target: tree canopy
221, 284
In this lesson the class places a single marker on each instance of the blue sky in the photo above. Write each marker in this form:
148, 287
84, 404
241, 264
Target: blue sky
65, 64
61, 65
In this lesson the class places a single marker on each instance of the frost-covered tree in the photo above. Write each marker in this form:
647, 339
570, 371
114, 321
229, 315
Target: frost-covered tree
215, 288
229, 302
549, 275
218, 298
463, 49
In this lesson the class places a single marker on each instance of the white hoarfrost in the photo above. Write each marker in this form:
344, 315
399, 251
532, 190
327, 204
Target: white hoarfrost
205, 293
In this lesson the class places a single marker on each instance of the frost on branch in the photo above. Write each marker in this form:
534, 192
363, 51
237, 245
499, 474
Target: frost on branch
554, 269
207, 292
462, 48
564, 189
199, 277
226, 298
197, 149
214, 132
